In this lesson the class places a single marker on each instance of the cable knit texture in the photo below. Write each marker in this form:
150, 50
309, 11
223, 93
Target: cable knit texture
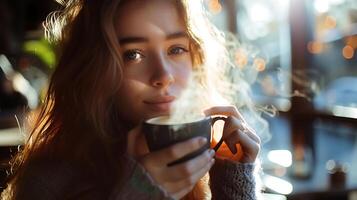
232, 180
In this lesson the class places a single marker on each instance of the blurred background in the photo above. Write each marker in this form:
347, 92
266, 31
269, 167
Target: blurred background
304, 55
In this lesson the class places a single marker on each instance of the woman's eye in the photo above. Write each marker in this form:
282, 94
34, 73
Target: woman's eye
177, 51
133, 55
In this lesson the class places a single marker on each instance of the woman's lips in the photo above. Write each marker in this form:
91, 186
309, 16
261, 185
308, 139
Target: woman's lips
161, 103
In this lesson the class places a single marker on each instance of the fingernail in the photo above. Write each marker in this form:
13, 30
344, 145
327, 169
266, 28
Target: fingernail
202, 141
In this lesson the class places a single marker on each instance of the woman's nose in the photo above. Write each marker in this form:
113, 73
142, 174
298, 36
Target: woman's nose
162, 75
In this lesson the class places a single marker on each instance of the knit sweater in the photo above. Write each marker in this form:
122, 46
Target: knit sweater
58, 180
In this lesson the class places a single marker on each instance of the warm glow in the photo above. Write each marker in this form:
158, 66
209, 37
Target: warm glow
330, 22
277, 184
224, 150
280, 157
217, 131
259, 64
315, 47
348, 52
241, 58
214, 6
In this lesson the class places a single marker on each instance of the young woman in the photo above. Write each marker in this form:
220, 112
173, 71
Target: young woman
121, 62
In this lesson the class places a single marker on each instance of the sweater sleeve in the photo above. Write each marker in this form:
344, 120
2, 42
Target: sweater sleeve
138, 184
52, 181
232, 180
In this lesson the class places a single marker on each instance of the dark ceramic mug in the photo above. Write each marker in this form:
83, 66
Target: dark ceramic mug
160, 134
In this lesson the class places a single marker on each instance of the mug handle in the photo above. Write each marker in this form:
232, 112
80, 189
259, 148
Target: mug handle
214, 120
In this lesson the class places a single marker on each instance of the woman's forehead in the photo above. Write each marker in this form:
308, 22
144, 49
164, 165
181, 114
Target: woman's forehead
141, 17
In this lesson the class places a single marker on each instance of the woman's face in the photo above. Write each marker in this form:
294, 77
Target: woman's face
157, 60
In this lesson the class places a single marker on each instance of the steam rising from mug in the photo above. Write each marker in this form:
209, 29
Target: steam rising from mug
218, 80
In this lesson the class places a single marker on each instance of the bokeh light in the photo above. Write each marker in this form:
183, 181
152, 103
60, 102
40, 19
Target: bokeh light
348, 52
215, 6
259, 64
315, 47
241, 58
330, 22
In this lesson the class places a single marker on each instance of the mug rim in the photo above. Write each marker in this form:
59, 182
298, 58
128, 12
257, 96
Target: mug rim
198, 119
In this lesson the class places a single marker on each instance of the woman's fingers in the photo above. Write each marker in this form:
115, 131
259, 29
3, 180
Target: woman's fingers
249, 146
183, 192
231, 124
234, 120
224, 110
178, 188
186, 169
252, 134
236, 131
242, 134
234, 124
178, 179
176, 151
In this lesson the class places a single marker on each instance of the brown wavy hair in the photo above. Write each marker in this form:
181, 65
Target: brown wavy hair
79, 119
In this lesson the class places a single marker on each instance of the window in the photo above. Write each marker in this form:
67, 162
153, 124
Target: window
334, 56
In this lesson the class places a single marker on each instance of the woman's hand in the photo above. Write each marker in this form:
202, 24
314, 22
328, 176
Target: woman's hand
236, 131
179, 179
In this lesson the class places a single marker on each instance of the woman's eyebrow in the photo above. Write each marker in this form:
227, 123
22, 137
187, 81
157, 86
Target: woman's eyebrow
180, 34
127, 40
138, 39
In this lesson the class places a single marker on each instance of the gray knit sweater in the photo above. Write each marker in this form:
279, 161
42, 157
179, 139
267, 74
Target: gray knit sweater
57, 180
